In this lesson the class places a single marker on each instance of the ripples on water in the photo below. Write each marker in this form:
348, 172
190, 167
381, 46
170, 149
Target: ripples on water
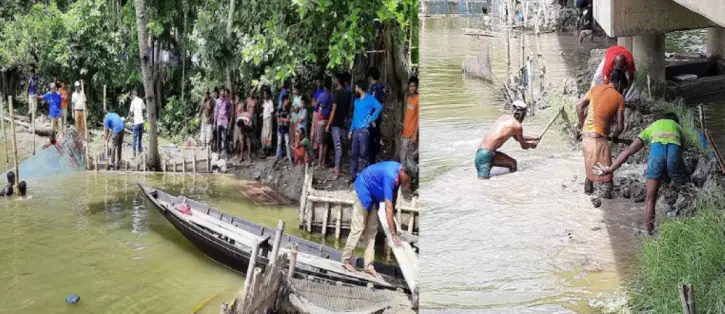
94, 234
507, 243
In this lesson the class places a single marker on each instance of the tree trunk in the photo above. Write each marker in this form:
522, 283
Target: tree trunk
153, 162
183, 54
395, 70
230, 21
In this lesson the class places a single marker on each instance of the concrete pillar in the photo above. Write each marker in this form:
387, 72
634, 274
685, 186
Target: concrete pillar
626, 42
649, 55
716, 41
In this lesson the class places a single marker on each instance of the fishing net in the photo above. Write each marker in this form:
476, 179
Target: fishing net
63, 157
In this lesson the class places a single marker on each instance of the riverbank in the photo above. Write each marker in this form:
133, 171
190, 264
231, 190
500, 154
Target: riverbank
658, 268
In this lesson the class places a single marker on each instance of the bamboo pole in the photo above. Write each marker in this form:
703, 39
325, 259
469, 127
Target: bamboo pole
250, 269
5, 135
292, 261
539, 57
193, 156
325, 218
277, 241
553, 119
522, 57
338, 223
508, 52
105, 110
15, 145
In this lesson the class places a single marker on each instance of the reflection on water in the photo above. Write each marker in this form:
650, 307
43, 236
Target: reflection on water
527, 242
94, 234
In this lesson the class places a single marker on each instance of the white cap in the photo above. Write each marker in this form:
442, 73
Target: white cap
518, 104
77, 84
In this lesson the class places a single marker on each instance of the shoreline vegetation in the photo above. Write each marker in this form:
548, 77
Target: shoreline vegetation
687, 247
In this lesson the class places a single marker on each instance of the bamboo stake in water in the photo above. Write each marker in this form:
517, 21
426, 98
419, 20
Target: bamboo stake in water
104, 99
15, 146
5, 135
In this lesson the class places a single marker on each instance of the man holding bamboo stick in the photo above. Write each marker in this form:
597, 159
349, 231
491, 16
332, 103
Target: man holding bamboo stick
507, 126
603, 102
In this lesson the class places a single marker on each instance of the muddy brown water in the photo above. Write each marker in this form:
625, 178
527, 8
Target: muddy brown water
527, 242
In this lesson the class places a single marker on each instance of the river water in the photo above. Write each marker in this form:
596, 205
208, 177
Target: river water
523, 242
95, 235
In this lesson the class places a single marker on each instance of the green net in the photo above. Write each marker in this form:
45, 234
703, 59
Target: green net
63, 157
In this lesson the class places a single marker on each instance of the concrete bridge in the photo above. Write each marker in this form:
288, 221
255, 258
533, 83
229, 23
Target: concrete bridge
640, 25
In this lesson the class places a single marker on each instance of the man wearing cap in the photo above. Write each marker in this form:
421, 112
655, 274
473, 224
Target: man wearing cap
79, 109
507, 126
53, 99
114, 129
376, 184
602, 103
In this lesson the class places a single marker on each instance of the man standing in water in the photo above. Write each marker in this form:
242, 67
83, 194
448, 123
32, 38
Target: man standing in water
664, 163
377, 183
602, 102
505, 127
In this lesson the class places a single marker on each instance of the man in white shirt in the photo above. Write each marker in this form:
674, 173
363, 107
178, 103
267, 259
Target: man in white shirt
137, 108
79, 109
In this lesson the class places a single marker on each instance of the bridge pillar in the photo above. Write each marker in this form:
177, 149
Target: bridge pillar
626, 42
649, 55
716, 41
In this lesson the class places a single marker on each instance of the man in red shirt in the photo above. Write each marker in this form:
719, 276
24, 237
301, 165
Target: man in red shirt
615, 57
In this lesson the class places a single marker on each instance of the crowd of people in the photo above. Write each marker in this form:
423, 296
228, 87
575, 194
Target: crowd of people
58, 101
337, 118
602, 105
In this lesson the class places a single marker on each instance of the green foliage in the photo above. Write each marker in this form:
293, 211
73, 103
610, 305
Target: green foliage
271, 41
687, 120
686, 250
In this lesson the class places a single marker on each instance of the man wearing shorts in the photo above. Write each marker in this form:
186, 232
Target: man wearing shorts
602, 103
505, 127
324, 105
665, 161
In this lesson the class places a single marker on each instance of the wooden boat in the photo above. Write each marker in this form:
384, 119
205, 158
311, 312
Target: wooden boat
230, 240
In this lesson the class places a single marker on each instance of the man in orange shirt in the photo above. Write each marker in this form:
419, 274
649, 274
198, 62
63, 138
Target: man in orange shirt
410, 123
602, 102
63, 105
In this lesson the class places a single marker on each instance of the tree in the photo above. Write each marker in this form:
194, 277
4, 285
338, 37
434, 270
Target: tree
154, 161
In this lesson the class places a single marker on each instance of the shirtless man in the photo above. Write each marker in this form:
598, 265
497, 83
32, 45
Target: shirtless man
505, 127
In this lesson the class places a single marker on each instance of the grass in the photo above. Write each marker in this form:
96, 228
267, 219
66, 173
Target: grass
686, 250
687, 120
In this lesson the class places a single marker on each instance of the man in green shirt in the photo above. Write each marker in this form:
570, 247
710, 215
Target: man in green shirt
665, 160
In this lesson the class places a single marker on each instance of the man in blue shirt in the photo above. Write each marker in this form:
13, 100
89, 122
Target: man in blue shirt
114, 128
377, 90
32, 93
362, 119
376, 184
53, 99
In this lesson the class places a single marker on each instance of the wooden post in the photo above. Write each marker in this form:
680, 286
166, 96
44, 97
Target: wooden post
105, 110
539, 57
5, 135
310, 215
338, 224
183, 162
687, 298
96, 160
193, 156
411, 222
15, 145
250, 269
143, 160
699, 108
208, 158
325, 218
292, 261
277, 240
303, 199
508, 53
